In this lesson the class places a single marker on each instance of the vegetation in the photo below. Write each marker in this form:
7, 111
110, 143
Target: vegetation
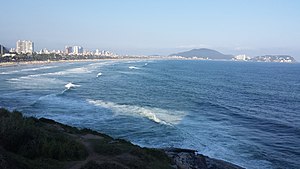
33, 139
138, 156
47, 57
31, 143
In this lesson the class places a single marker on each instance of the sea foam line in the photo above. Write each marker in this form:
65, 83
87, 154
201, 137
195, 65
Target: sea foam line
27, 70
158, 115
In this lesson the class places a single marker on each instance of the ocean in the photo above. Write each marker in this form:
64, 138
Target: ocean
243, 112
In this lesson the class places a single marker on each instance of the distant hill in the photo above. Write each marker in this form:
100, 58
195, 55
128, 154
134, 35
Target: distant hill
203, 53
274, 58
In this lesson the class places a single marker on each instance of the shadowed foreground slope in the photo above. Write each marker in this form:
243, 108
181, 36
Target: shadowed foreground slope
30, 143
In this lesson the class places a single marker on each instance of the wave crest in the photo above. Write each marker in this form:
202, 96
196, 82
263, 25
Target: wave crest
133, 67
158, 115
71, 85
28, 69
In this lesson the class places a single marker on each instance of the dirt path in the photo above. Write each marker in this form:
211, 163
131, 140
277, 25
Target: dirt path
92, 154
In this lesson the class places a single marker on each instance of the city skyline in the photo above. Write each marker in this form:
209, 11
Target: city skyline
27, 47
134, 27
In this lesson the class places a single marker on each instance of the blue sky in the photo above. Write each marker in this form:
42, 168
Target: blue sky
253, 27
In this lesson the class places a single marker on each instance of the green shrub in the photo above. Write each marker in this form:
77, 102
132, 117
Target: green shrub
30, 138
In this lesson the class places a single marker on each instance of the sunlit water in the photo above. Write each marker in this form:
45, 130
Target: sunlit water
245, 113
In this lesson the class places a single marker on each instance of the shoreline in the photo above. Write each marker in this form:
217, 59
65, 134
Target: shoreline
93, 149
7, 64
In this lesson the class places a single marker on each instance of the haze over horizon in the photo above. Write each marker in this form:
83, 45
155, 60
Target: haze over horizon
156, 27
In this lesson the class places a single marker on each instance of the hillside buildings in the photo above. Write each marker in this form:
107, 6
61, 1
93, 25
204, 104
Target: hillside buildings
241, 58
274, 58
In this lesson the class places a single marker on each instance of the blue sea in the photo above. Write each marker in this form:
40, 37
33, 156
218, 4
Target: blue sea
242, 112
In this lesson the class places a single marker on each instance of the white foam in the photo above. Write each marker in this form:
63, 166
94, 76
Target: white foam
99, 74
133, 67
71, 85
29, 69
34, 82
162, 116
59, 73
79, 70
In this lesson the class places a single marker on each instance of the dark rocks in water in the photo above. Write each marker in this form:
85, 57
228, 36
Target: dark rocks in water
189, 159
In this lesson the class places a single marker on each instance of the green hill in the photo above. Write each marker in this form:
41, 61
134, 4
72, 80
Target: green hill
203, 53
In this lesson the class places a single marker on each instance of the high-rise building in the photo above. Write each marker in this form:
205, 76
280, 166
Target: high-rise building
77, 50
68, 50
24, 47
97, 53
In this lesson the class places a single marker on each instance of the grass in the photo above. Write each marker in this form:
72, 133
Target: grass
31, 143
131, 155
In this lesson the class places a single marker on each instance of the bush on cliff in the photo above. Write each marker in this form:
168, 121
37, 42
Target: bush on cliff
32, 139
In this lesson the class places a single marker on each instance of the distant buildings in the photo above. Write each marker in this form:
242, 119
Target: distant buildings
241, 58
24, 47
68, 50
274, 58
77, 50
103, 53
27, 47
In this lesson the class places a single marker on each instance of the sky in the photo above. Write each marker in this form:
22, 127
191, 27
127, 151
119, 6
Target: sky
252, 27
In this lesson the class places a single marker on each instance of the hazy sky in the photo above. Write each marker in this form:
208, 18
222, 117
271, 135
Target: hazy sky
155, 26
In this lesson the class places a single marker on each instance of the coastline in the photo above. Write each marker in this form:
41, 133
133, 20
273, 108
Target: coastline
23, 145
6, 64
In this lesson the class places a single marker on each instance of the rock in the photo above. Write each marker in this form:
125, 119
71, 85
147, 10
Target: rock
189, 159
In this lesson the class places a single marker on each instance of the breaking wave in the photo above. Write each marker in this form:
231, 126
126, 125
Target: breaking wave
59, 73
27, 70
133, 67
34, 82
158, 115
71, 85
71, 71
99, 74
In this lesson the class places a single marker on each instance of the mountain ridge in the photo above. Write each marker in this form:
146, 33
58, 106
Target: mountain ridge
203, 53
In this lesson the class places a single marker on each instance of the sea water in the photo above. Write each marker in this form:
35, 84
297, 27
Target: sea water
242, 112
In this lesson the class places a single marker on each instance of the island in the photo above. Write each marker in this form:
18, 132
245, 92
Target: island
31, 143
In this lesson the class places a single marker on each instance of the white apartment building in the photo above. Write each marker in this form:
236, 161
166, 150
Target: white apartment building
24, 47
242, 57
77, 50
